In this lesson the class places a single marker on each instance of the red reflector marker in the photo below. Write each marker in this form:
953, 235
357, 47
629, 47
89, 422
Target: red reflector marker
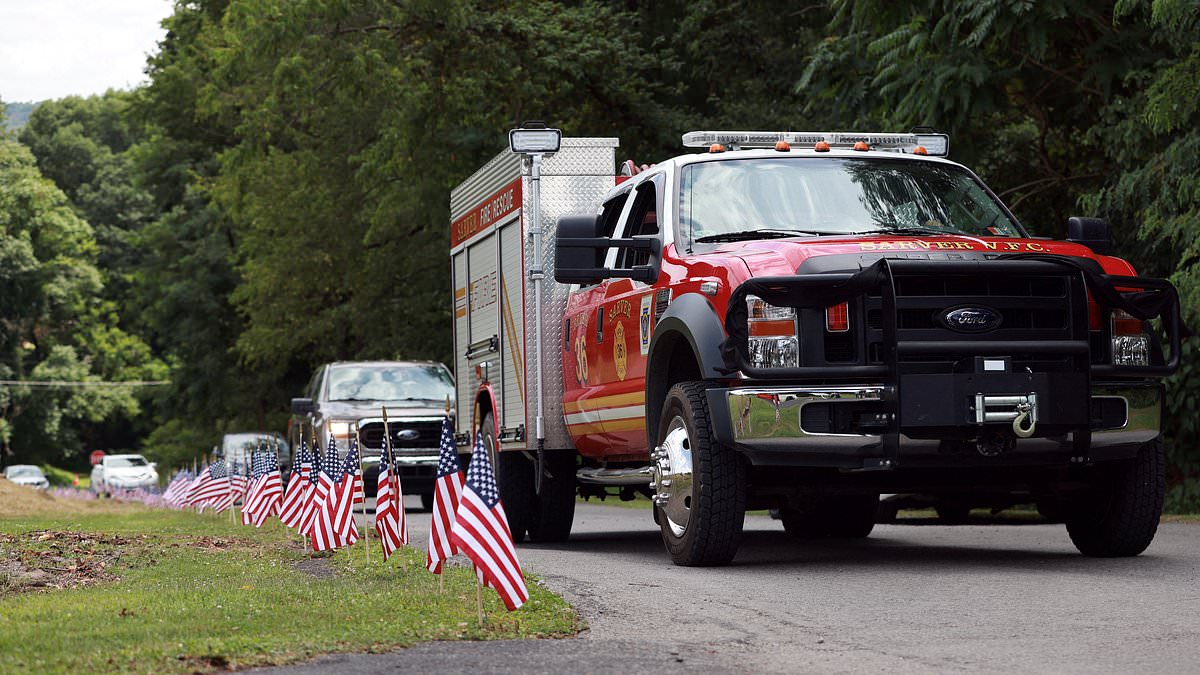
837, 318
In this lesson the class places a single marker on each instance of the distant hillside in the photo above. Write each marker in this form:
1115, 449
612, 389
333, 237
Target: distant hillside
17, 114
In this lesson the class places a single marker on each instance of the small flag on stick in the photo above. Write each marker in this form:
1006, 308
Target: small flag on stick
447, 490
481, 531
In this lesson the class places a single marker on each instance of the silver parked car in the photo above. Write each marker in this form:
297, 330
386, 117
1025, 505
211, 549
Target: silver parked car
123, 472
27, 474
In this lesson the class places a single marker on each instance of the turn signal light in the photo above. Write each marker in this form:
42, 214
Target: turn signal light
837, 318
1124, 323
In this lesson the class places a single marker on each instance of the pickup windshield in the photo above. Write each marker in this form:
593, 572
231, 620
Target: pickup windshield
819, 195
400, 382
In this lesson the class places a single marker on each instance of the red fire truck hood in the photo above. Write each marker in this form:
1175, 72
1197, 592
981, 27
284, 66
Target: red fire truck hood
779, 257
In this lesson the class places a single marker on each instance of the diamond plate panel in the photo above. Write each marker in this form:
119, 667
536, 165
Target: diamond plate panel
581, 157
561, 195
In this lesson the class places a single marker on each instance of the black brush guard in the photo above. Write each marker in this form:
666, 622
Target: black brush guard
933, 406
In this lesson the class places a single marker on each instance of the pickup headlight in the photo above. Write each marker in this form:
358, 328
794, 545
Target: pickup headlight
773, 342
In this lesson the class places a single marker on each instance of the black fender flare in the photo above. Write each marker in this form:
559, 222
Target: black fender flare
692, 319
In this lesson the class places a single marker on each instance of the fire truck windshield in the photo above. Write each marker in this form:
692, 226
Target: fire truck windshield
813, 196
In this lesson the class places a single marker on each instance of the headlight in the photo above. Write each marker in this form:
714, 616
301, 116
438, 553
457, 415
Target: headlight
339, 430
773, 342
1130, 344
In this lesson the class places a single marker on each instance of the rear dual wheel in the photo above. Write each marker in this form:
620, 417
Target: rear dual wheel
546, 516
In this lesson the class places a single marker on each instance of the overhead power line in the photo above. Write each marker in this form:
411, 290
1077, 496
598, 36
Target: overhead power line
92, 383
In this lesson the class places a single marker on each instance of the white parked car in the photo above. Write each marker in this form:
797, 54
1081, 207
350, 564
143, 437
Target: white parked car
27, 474
123, 472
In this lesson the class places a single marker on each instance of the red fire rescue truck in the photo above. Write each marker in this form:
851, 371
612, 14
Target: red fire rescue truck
798, 321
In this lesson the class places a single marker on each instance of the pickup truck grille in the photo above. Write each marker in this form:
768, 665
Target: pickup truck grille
428, 434
1032, 308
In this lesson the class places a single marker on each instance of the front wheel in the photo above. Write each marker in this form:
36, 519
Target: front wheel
1119, 515
700, 485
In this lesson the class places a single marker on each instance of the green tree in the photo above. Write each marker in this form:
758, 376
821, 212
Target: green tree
55, 326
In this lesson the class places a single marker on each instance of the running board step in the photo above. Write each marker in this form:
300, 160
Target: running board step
636, 476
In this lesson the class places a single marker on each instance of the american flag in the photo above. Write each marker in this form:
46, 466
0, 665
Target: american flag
348, 493
239, 482
264, 499
447, 491
243, 485
216, 492
310, 493
358, 493
481, 531
389, 507
202, 478
176, 493
292, 510
328, 503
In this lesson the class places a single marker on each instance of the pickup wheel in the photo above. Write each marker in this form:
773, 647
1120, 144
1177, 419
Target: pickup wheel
841, 517
700, 484
1119, 515
556, 504
514, 477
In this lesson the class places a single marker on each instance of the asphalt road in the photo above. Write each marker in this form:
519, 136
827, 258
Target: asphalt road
910, 598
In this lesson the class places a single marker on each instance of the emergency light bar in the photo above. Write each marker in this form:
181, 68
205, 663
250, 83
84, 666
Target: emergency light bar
934, 144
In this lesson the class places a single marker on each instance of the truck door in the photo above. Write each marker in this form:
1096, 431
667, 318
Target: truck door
622, 341
581, 351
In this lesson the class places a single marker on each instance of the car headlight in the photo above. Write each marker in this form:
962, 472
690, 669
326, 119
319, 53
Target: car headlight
339, 430
773, 342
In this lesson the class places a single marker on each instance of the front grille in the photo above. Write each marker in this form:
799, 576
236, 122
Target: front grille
1031, 307
428, 434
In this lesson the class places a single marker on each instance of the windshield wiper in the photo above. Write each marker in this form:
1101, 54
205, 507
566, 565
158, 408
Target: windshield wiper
913, 229
767, 233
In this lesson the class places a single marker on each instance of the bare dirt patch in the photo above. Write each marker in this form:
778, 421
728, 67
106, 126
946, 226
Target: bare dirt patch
315, 567
52, 559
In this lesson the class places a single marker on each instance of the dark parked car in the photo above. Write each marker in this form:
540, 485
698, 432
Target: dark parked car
346, 397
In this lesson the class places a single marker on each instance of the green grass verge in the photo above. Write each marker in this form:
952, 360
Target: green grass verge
197, 593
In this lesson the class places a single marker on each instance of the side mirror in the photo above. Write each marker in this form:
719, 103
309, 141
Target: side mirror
579, 250
1091, 232
579, 253
302, 406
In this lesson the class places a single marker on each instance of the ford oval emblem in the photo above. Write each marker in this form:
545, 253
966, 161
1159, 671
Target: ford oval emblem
408, 435
972, 319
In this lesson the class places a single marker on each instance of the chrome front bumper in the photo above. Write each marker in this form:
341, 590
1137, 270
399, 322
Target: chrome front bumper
765, 424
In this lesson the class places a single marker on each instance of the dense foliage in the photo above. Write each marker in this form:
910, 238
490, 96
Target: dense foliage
277, 195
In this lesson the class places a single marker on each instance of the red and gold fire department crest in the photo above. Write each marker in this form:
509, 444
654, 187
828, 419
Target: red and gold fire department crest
620, 352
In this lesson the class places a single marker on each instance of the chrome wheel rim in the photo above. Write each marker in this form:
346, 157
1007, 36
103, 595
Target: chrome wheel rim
673, 477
